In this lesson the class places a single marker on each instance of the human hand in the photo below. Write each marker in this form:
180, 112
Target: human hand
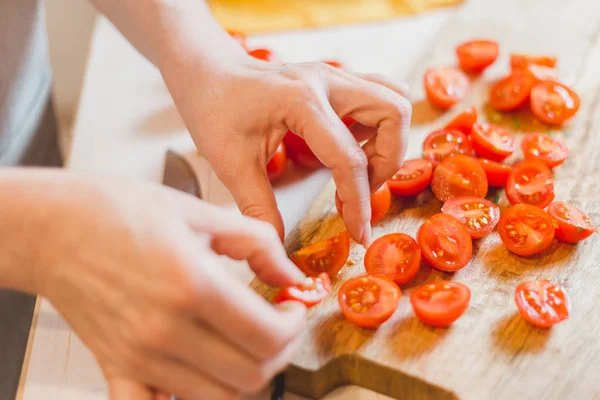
135, 270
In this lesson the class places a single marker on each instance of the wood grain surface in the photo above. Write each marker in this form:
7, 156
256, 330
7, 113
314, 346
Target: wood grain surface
490, 353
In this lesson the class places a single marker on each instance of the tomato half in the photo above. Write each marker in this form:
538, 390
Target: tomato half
327, 256
445, 243
439, 304
543, 147
512, 92
395, 256
310, 292
572, 224
479, 216
445, 86
496, 173
526, 230
440, 144
542, 303
518, 61
276, 166
459, 175
553, 103
476, 55
530, 182
334, 64
239, 36
412, 178
369, 301
264, 54
492, 142
299, 152
380, 203
464, 121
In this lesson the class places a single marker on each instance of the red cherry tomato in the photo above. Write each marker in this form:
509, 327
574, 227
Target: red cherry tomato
476, 55
530, 182
445, 86
526, 230
299, 152
240, 37
327, 256
572, 224
310, 292
413, 178
264, 54
464, 121
512, 92
492, 142
542, 73
369, 301
334, 64
479, 216
496, 173
457, 176
445, 243
553, 103
440, 144
380, 203
544, 148
439, 304
395, 256
276, 165
542, 303
518, 61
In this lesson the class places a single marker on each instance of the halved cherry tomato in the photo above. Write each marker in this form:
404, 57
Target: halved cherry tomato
543, 147
496, 173
334, 64
464, 121
264, 54
380, 203
530, 182
492, 142
310, 292
440, 144
327, 256
526, 230
445, 243
369, 301
512, 92
477, 55
412, 178
518, 61
441, 303
573, 225
553, 103
479, 216
276, 165
299, 152
542, 303
395, 256
459, 175
445, 86
239, 36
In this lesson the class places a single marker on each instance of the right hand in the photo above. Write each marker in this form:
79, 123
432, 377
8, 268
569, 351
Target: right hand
134, 269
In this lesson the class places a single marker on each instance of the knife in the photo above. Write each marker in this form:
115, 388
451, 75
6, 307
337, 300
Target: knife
180, 175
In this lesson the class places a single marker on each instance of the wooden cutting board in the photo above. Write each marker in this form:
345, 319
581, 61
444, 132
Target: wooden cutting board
490, 353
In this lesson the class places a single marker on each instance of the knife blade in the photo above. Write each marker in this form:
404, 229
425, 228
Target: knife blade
180, 175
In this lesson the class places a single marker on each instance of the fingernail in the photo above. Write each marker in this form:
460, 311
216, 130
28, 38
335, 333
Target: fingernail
366, 236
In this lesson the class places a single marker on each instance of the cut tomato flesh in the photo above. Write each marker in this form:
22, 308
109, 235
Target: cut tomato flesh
310, 292
572, 224
542, 303
327, 256
439, 304
526, 230
395, 256
530, 182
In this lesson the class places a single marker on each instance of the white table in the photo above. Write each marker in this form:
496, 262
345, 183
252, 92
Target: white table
127, 120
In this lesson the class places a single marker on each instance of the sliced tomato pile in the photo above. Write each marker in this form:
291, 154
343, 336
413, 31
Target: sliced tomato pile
478, 215
492, 142
310, 292
396, 256
440, 144
459, 175
369, 301
464, 121
380, 203
439, 304
496, 173
327, 256
476, 55
445, 243
526, 230
413, 178
572, 224
445, 86
542, 303
530, 182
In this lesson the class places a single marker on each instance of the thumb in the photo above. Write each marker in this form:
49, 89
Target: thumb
125, 389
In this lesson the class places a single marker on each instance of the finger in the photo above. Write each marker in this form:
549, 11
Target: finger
125, 389
376, 106
399, 87
334, 145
